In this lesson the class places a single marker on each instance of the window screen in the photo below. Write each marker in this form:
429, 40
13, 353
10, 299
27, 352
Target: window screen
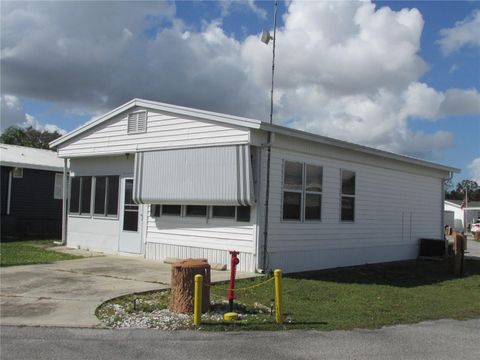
226, 212
171, 210
196, 210
243, 213
75, 195
85, 194
100, 191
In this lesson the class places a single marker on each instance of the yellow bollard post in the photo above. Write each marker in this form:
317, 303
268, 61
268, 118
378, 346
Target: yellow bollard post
197, 300
278, 296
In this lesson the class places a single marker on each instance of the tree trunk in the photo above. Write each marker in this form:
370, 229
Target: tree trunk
182, 293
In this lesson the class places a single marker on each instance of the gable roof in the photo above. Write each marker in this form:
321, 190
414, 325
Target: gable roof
29, 158
248, 123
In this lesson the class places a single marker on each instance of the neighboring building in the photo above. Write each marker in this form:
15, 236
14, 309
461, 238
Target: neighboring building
455, 215
168, 181
31, 193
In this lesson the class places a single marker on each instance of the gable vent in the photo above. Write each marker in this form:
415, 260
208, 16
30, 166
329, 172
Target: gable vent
137, 122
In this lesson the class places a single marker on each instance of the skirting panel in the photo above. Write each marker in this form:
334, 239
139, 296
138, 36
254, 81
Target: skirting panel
296, 261
156, 251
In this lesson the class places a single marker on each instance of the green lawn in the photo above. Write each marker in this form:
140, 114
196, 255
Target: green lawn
30, 252
358, 297
373, 296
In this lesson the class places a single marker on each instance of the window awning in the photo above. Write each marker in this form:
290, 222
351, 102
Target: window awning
219, 175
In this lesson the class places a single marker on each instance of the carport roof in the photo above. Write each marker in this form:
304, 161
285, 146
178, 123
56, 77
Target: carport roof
30, 158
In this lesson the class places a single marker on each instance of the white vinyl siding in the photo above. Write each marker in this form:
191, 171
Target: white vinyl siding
393, 209
163, 132
186, 236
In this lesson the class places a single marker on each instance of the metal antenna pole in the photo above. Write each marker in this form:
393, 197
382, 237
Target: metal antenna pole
269, 145
273, 58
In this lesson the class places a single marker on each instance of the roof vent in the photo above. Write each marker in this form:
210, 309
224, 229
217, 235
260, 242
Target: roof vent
137, 122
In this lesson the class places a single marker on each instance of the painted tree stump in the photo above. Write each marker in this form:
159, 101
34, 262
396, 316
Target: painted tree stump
458, 262
182, 291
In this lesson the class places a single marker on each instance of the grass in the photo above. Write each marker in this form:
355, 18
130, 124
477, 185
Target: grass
30, 252
358, 297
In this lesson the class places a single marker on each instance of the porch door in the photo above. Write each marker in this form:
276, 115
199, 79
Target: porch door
130, 239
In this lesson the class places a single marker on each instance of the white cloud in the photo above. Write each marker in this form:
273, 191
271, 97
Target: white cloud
344, 69
227, 7
463, 33
12, 114
474, 169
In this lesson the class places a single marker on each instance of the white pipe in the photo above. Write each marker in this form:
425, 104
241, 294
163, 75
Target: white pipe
9, 194
64, 203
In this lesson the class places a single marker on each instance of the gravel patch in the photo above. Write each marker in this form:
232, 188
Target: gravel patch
124, 315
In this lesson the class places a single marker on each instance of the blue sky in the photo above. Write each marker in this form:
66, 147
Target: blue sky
388, 91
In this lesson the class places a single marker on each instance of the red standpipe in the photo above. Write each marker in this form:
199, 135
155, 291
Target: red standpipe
233, 269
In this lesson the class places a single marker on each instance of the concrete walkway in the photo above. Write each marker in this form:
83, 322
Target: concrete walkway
67, 293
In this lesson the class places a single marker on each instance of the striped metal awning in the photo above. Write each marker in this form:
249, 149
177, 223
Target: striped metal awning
220, 175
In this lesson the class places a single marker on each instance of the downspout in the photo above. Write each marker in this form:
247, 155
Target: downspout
267, 198
64, 202
9, 193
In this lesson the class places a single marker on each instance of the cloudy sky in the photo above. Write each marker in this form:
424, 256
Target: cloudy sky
399, 76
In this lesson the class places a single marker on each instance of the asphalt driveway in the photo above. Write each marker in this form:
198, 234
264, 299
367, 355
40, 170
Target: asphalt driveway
67, 293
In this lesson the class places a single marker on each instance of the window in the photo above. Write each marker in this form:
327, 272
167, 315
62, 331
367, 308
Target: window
225, 212
174, 210
238, 213
196, 210
75, 195
292, 190
313, 192
243, 213
348, 195
85, 195
302, 191
80, 195
58, 186
155, 210
17, 173
130, 209
106, 196
100, 192
137, 122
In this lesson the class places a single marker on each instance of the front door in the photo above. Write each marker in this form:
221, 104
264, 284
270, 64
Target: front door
130, 221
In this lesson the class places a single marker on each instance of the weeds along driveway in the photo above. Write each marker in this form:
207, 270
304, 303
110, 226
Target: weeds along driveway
67, 293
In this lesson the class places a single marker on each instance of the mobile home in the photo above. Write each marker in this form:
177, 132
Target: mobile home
166, 181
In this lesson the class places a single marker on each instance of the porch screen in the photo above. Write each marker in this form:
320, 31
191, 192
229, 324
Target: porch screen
218, 175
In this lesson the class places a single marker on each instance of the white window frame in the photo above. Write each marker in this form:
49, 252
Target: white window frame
284, 190
303, 193
79, 213
105, 215
342, 195
306, 192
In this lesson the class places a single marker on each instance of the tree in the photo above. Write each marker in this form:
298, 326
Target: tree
468, 185
28, 137
458, 193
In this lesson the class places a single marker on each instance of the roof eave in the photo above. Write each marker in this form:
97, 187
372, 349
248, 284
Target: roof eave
356, 147
31, 166
196, 113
